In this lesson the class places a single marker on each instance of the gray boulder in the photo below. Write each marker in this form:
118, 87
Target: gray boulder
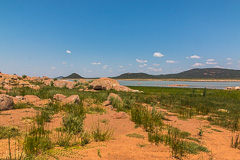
6, 102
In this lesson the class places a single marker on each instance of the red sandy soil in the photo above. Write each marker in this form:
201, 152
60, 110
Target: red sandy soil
122, 147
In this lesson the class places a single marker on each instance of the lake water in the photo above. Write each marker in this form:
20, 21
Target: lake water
209, 85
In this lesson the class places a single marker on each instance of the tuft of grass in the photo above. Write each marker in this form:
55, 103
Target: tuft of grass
36, 141
235, 141
105, 121
200, 132
216, 130
135, 135
95, 110
85, 139
73, 123
207, 126
193, 139
63, 139
8, 132
99, 153
194, 148
101, 134
141, 145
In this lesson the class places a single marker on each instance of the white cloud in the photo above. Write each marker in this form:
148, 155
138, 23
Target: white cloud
68, 51
229, 63
71, 65
121, 66
141, 61
198, 64
218, 67
155, 69
158, 54
229, 59
210, 60
142, 65
64, 62
105, 66
155, 64
130, 64
171, 61
194, 57
53, 67
96, 63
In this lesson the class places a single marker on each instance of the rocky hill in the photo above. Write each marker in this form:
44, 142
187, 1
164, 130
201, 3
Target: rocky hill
197, 73
73, 76
135, 76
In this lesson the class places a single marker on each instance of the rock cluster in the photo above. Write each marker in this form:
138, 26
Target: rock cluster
8, 82
109, 84
233, 88
6, 102
66, 100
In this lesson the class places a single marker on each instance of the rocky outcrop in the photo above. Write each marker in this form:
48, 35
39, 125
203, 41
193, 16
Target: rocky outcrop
71, 99
32, 99
59, 97
60, 84
70, 84
36, 79
82, 81
19, 99
104, 84
3, 91
36, 87
233, 88
42, 103
106, 103
36, 101
48, 82
6, 102
114, 96
7, 87
108, 84
23, 83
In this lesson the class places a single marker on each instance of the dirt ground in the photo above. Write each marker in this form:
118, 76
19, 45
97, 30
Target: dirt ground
122, 147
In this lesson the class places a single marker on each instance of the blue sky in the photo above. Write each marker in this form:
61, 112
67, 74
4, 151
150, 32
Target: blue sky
97, 38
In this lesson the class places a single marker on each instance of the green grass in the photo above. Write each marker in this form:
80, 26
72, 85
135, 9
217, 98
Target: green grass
189, 102
135, 135
8, 132
184, 102
22, 105
96, 110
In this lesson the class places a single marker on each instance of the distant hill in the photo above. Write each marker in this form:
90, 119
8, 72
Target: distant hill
73, 76
135, 76
59, 77
197, 73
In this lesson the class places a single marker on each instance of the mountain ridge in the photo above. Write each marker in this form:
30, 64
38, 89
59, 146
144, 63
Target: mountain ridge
196, 73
